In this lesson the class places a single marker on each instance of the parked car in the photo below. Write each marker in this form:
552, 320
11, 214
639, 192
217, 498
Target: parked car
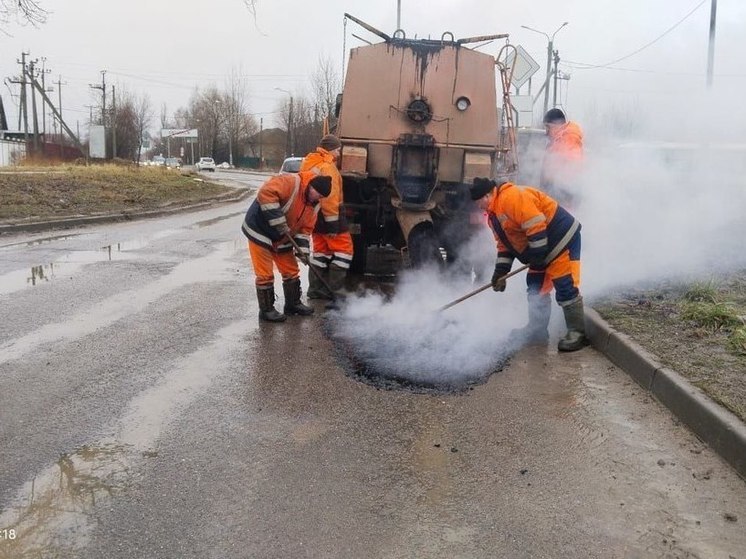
205, 164
158, 160
291, 165
173, 162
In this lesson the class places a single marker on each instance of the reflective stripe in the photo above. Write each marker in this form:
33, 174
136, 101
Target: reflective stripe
303, 237
329, 219
343, 256
570, 302
502, 218
540, 243
318, 263
284, 245
504, 260
277, 221
563, 242
261, 239
533, 221
341, 264
287, 205
270, 206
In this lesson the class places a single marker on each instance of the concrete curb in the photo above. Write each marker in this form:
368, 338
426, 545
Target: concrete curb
715, 425
77, 221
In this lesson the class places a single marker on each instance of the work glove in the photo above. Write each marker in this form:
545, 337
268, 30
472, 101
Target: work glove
498, 284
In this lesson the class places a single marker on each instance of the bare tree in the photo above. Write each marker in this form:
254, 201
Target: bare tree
326, 84
23, 11
143, 117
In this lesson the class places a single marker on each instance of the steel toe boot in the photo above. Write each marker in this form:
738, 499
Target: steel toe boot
293, 305
265, 294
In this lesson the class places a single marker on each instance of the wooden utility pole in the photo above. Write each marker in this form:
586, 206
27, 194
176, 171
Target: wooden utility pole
261, 129
24, 110
59, 107
113, 121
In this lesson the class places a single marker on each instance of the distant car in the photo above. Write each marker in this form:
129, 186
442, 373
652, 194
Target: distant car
173, 163
291, 165
158, 160
205, 164
225, 165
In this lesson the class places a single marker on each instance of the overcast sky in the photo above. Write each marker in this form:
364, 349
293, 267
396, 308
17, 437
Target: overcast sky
168, 48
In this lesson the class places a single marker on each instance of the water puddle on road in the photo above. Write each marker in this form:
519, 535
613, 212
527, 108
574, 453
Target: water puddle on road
71, 262
66, 265
51, 516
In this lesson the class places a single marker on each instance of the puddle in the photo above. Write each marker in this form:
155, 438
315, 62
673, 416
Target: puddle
53, 511
215, 266
66, 265
54, 514
72, 262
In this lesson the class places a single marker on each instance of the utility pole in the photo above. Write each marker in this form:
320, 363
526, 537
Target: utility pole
24, 109
711, 47
550, 50
59, 105
32, 77
261, 129
44, 72
102, 87
398, 14
556, 63
113, 121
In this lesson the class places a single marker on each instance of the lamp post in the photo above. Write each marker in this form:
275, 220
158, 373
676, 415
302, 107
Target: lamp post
289, 139
550, 48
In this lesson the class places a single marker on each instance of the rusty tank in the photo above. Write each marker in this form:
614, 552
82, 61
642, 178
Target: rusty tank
419, 120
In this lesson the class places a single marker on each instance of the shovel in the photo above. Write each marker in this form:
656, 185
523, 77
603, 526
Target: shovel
479, 290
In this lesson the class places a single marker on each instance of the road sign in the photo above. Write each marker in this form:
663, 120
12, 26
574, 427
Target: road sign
179, 133
524, 66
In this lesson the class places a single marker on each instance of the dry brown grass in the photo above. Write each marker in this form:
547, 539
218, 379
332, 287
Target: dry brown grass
38, 192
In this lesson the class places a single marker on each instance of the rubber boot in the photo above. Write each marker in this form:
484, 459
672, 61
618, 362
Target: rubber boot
316, 289
336, 283
575, 338
537, 329
265, 294
293, 305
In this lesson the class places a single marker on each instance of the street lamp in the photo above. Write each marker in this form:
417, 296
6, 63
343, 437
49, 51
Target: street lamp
550, 46
289, 139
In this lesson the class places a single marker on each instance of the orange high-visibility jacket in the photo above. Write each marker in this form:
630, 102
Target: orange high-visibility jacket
282, 201
528, 224
331, 217
563, 157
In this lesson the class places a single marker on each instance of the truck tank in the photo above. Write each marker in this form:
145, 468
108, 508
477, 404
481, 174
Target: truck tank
418, 121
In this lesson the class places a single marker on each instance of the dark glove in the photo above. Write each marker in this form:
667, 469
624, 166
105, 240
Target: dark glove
498, 284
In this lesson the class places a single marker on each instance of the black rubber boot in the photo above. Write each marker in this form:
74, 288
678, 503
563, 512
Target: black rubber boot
293, 305
575, 338
336, 282
537, 329
266, 297
316, 289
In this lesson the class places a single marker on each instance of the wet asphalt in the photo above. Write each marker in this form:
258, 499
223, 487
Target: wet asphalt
144, 412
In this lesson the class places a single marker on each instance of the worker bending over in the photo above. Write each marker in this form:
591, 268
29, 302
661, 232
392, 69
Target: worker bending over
533, 227
285, 206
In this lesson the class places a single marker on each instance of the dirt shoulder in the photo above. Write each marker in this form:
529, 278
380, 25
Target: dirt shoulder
696, 329
33, 194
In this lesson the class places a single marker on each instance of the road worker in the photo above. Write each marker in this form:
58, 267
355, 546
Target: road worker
533, 227
285, 206
563, 158
332, 242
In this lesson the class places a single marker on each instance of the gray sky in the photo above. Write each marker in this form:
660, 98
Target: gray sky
168, 48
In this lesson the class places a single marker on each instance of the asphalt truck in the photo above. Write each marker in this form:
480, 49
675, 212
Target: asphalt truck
419, 120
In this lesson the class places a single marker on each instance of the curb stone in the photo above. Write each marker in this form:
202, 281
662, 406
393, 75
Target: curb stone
68, 222
715, 425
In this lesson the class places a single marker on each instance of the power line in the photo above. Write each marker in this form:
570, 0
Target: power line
586, 66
